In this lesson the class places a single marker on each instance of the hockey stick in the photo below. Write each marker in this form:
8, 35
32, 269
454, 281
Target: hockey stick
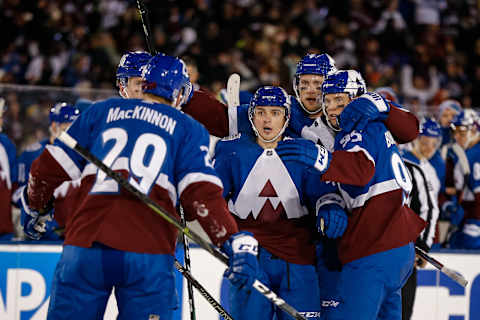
142, 9
186, 250
217, 306
146, 26
454, 275
260, 287
233, 101
233, 90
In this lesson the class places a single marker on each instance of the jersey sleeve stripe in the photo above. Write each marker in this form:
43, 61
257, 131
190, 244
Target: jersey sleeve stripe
374, 190
64, 161
367, 154
197, 177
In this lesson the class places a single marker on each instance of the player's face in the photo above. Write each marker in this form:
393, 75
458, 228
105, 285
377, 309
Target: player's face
133, 90
446, 117
310, 91
56, 128
269, 121
334, 104
428, 145
462, 136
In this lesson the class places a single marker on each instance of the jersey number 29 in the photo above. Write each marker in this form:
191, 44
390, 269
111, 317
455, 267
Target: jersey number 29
146, 172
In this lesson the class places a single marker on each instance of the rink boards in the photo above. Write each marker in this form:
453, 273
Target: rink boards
26, 273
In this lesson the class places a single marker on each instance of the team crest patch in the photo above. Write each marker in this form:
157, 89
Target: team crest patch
153, 317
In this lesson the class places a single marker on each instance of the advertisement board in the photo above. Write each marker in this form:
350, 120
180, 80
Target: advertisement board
26, 273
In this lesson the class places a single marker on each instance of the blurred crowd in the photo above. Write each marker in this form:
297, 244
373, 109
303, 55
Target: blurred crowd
426, 50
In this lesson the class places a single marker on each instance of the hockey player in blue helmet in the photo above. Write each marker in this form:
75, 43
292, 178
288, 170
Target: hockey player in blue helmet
468, 235
163, 152
61, 116
276, 200
338, 91
374, 182
310, 73
427, 169
129, 75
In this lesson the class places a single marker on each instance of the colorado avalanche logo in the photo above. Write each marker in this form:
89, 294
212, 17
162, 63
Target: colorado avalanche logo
268, 193
269, 213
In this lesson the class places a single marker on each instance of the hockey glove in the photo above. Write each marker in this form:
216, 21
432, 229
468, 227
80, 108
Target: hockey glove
358, 113
242, 249
453, 211
305, 152
34, 224
334, 220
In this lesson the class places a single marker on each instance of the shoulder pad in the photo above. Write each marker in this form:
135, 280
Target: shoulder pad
232, 137
33, 147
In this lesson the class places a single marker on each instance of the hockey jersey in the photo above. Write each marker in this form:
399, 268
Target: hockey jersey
275, 200
373, 182
160, 150
471, 196
27, 157
8, 182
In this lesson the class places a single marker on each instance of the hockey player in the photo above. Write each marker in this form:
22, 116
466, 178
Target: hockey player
447, 110
113, 240
427, 169
424, 154
8, 179
276, 200
468, 235
376, 249
129, 75
61, 117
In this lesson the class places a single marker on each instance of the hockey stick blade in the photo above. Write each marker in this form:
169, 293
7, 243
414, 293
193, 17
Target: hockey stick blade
264, 290
454, 275
217, 306
233, 90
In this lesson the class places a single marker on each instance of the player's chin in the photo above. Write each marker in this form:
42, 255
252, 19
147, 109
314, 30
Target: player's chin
312, 106
267, 134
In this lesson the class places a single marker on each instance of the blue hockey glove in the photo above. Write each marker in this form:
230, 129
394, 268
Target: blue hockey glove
358, 113
242, 249
305, 152
453, 211
34, 224
334, 220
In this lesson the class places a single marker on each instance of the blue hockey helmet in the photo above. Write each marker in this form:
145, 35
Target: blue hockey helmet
270, 96
321, 64
316, 64
130, 65
430, 128
167, 77
345, 81
464, 120
63, 112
